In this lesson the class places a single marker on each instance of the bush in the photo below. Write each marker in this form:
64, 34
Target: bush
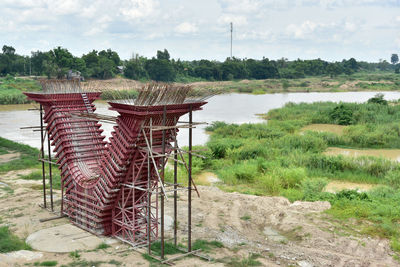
290, 177
269, 184
342, 115
244, 172
313, 187
392, 178
378, 99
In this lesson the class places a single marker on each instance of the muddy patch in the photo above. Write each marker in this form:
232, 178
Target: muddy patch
330, 128
9, 157
336, 186
207, 178
393, 154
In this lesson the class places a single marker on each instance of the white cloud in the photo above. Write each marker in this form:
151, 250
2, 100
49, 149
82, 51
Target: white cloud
237, 20
242, 6
300, 31
350, 27
134, 9
186, 27
255, 35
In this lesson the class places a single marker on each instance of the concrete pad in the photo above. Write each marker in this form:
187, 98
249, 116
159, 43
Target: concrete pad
63, 238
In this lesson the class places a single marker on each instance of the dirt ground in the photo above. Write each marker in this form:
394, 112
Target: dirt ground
282, 233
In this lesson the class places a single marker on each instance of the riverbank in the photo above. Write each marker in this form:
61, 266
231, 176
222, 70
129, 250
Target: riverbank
120, 88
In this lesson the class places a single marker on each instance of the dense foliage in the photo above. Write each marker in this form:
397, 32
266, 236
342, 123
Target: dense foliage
107, 63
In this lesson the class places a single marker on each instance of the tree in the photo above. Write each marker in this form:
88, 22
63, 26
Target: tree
37, 62
334, 69
61, 59
397, 69
163, 54
394, 59
160, 70
135, 68
8, 50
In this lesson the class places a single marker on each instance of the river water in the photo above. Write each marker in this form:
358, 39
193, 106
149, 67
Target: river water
231, 108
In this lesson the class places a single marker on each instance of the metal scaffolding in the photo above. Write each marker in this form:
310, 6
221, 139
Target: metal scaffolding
114, 188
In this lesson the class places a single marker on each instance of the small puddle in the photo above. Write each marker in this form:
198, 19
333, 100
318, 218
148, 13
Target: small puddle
393, 154
207, 178
331, 128
336, 186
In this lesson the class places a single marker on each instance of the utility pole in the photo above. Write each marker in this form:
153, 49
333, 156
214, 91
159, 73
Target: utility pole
231, 37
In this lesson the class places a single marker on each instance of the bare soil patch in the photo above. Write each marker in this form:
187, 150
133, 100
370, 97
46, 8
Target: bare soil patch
283, 233
336, 186
393, 154
9, 157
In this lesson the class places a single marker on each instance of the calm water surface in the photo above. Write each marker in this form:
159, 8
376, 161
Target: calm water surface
231, 108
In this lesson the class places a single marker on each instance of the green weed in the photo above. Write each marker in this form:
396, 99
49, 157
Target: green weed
10, 242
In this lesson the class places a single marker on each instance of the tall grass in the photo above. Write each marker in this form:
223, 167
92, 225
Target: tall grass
10, 242
11, 90
28, 158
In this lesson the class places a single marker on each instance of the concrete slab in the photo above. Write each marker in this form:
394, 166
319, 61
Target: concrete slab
63, 238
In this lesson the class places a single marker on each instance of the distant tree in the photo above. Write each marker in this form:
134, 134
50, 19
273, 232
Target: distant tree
262, 69
383, 65
8, 50
61, 59
394, 59
163, 54
160, 70
334, 69
233, 68
397, 69
37, 62
135, 68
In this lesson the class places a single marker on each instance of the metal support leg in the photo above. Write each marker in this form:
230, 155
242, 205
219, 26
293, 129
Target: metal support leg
190, 184
50, 173
162, 181
148, 206
42, 155
175, 188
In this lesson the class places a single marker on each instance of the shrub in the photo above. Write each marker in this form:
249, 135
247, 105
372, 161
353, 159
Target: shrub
392, 178
342, 115
10, 242
313, 187
378, 99
290, 177
269, 184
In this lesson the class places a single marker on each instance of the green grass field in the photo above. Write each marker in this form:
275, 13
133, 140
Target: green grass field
279, 159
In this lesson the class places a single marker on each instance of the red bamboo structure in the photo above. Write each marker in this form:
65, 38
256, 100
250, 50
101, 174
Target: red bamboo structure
112, 187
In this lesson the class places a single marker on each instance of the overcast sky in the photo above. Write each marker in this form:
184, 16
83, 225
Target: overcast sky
328, 29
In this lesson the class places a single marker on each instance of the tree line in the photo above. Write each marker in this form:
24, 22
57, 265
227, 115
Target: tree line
106, 64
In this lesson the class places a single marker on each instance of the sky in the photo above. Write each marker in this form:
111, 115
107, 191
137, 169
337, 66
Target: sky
332, 30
